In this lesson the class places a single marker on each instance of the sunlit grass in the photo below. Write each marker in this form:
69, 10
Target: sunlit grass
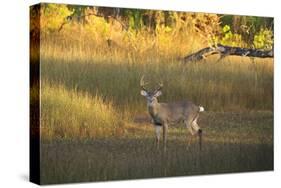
225, 86
90, 99
235, 84
67, 114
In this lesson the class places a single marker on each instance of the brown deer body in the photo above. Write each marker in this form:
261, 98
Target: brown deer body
164, 114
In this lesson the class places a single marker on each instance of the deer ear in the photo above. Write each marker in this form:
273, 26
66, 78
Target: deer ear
143, 93
158, 93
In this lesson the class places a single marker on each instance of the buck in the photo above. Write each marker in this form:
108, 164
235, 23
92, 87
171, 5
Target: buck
164, 114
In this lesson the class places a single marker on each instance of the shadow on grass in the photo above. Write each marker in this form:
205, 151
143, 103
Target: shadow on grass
118, 159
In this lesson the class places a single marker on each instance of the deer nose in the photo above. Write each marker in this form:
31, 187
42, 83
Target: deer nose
150, 100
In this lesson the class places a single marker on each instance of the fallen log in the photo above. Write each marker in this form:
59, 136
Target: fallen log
224, 51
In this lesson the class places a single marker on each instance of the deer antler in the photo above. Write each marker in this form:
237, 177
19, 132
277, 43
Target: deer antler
142, 83
160, 86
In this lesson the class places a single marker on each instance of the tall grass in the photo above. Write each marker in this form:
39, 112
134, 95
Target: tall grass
67, 114
223, 86
72, 63
101, 40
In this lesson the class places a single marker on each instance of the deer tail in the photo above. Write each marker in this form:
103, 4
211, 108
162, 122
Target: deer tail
201, 109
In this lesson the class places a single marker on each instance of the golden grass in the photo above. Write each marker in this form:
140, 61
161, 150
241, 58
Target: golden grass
217, 86
110, 77
90, 96
67, 114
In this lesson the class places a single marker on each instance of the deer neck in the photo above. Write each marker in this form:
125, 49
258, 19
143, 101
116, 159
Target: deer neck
153, 108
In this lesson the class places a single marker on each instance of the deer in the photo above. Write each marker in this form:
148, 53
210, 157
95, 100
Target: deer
165, 114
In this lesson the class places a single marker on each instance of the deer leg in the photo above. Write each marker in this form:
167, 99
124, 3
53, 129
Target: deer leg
157, 132
192, 135
200, 138
195, 127
189, 128
197, 130
165, 132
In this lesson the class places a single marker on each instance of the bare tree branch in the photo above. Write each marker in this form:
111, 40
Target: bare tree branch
227, 50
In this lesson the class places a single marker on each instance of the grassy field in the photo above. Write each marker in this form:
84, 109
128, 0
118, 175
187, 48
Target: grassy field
232, 142
94, 124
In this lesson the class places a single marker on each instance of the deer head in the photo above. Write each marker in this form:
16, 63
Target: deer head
151, 96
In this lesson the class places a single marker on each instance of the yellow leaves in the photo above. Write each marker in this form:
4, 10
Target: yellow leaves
53, 16
98, 25
264, 39
226, 28
229, 38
